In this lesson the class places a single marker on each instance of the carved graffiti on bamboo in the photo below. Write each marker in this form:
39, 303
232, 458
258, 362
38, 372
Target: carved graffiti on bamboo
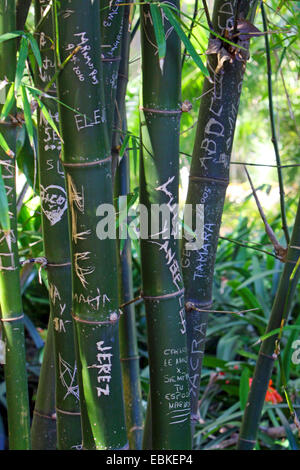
92, 301
83, 58
182, 314
68, 377
203, 255
54, 202
51, 139
195, 356
76, 200
171, 261
176, 375
59, 322
7, 259
226, 16
104, 368
55, 165
9, 237
82, 121
8, 173
112, 14
82, 271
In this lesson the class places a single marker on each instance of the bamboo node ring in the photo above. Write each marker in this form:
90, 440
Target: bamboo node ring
160, 111
162, 297
86, 164
13, 318
114, 317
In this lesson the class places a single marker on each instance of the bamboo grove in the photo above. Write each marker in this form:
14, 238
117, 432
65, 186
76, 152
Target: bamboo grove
69, 74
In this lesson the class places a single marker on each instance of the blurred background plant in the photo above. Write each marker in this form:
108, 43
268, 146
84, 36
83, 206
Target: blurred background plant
247, 270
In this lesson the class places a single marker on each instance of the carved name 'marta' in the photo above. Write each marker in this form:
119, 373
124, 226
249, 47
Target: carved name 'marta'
54, 202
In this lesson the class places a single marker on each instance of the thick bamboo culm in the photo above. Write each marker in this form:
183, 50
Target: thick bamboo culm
56, 246
86, 158
112, 18
209, 177
267, 353
12, 326
43, 426
127, 328
161, 274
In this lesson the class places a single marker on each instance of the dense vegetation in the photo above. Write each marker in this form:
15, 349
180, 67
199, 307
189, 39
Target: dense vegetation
249, 299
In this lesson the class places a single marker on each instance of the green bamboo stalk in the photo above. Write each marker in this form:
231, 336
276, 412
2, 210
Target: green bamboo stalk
22, 13
161, 274
56, 247
127, 328
273, 128
10, 292
267, 354
112, 15
87, 164
43, 427
209, 177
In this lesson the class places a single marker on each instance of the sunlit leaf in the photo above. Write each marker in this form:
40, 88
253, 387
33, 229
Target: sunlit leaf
159, 33
21, 62
189, 46
9, 102
4, 215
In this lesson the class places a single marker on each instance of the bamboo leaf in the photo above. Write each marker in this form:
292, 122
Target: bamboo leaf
35, 49
258, 276
21, 62
134, 154
189, 46
4, 215
124, 145
244, 388
27, 114
5, 146
12, 35
9, 102
159, 33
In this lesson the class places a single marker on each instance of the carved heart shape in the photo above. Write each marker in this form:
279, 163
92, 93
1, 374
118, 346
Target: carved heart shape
54, 202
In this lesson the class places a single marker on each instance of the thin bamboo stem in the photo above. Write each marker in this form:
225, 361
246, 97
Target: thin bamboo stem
268, 351
43, 427
86, 159
10, 292
273, 127
127, 329
56, 247
209, 177
161, 274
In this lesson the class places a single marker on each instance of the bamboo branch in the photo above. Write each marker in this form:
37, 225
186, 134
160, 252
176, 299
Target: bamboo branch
268, 350
280, 251
273, 128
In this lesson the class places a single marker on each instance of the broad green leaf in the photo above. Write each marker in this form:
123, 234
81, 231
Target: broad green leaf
35, 49
134, 154
27, 114
4, 216
258, 276
277, 330
9, 102
189, 46
124, 145
11, 35
26, 158
244, 388
159, 33
21, 62
5, 146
